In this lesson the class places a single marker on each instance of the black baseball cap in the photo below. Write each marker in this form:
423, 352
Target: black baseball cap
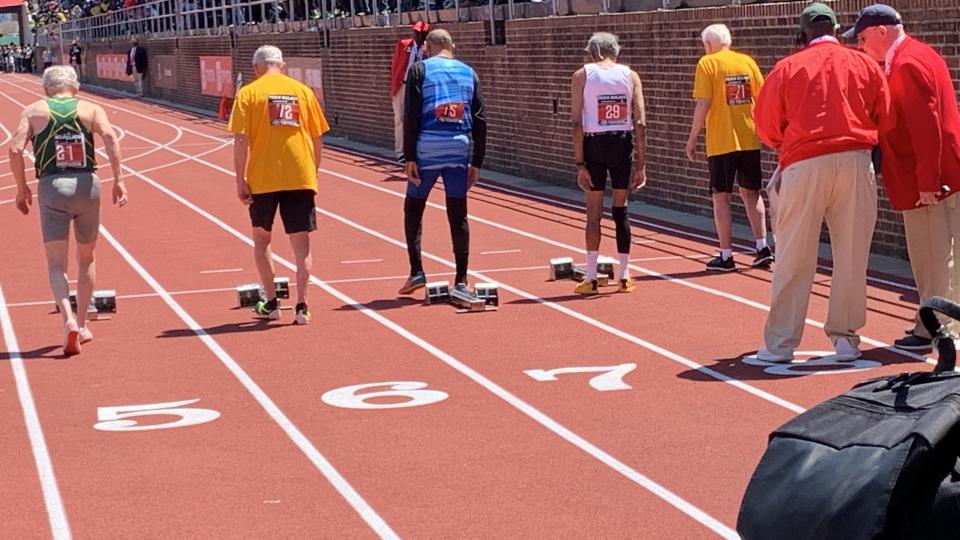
875, 15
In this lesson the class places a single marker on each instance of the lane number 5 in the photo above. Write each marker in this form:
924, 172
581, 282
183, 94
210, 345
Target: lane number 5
122, 418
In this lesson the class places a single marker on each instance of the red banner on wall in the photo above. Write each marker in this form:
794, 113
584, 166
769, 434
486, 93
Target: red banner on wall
112, 66
216, 76
309, 71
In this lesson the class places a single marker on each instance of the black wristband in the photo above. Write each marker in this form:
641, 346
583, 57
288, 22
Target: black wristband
581, 164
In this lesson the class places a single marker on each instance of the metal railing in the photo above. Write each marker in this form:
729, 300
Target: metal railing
177, 18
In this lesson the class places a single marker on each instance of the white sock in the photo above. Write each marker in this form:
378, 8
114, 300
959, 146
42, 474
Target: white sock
624, 265
761, 243
592, 257
726, 253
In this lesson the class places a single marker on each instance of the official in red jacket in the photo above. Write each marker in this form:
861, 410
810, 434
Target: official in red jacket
822, 108
406, 53
921, 156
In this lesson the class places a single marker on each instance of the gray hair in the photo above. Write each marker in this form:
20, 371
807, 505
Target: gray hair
717, 34
59, 78
440, 38
268, 54
603, 45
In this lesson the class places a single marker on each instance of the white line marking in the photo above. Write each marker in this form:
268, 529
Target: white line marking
48, 481
652, 273
671, 258
502, 251
303, 443
640, 242
221, 271
492, 387
362, 261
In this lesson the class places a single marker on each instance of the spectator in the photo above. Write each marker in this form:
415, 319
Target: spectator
76, 57
137, 64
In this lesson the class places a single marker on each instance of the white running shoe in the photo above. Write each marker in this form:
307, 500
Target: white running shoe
846, 350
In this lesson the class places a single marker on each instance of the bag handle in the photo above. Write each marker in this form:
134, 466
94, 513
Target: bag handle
947, 360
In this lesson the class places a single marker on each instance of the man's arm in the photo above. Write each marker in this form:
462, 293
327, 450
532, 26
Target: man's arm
700, 113
769, 113
17, 165
639, 124
921, 106
317, 150
479, 125
577, 83
412, 111
103, 128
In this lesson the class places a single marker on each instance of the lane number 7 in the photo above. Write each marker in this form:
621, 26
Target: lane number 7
610, 378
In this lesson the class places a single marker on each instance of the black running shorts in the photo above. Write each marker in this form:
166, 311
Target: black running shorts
297, 210
610, 153
742, 166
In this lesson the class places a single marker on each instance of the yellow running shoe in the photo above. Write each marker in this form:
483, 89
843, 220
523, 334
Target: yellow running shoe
587, 287
627, 286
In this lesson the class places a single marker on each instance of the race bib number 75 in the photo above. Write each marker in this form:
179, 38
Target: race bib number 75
70, 150
284, 110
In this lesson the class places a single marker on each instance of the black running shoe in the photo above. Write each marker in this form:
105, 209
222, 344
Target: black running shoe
763, 258
719, 264
914, 342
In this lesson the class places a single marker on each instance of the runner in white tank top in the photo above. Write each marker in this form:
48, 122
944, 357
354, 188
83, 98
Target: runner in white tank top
609, 139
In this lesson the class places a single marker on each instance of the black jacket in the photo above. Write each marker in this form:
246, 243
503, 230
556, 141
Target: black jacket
139, 60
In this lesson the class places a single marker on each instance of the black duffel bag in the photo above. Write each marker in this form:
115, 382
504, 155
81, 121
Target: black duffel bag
881, 461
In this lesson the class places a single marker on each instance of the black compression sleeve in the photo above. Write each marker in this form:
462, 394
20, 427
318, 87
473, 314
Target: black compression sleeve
412, 111
479, 130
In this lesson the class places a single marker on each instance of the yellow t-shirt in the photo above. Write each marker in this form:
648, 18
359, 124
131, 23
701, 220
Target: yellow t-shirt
282, 118
732, 82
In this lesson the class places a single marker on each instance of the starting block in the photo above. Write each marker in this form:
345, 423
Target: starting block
251, 293
488, 293
438, 292
605, 266
561, 268
104, 301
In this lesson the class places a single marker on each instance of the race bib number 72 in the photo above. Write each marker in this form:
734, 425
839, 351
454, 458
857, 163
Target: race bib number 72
284, 111
70, 150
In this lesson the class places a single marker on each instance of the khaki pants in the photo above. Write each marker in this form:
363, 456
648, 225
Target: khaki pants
399, 100
842, 189
932, 232
138, 82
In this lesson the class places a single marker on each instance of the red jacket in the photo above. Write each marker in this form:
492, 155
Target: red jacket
922, 152
823, 99
398, 68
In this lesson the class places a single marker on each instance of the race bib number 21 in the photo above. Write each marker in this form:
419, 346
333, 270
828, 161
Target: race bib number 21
70, 150
284, 111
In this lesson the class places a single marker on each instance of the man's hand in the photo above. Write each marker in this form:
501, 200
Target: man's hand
928, 198
691, 149
584, 180
639, 179
243, 193
413, 174
24, 200
473, 176
119, 194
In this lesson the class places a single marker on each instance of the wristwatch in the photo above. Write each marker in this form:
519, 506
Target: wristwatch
581, 164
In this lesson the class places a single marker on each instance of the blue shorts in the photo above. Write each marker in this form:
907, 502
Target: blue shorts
454, 182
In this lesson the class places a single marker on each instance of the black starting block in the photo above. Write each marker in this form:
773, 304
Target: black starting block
467, 301
438, 292
488, 293
102, 302
561, 268
605, 267
251, 293
580, 274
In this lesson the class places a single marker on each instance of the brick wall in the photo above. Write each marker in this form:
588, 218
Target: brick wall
526, 82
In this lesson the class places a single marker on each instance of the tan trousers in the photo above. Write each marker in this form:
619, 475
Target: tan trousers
398, 102
138, 82
842, 189
932, 232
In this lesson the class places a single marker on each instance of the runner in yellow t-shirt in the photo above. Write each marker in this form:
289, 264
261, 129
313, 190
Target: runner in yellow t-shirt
725, 87
279, 120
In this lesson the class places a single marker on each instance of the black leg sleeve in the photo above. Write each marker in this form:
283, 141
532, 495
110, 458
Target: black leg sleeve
412, 226
460, 233
622, 223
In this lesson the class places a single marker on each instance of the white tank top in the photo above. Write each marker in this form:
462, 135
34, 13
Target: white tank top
607, 99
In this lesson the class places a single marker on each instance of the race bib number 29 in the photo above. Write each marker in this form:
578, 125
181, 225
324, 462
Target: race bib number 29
70, 150
284, 111
612, 110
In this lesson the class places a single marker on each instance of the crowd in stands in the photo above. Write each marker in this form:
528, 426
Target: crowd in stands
16, 59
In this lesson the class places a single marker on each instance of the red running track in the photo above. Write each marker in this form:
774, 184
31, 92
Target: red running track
239, 428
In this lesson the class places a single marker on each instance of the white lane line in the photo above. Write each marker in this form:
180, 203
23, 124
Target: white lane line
671, 258
362, 261
221, 271
48, 481
500, 252
642, 242
527, 409
666, 277
299, 439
